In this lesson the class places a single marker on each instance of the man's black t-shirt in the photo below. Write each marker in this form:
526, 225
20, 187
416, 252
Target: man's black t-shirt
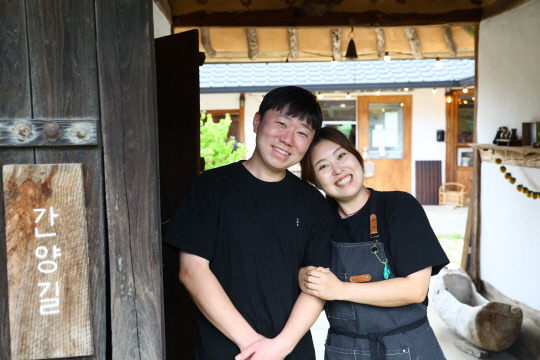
411, 244
256, 236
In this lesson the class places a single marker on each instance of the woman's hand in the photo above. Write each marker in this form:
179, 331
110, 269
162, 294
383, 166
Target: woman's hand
301, 273
322, 283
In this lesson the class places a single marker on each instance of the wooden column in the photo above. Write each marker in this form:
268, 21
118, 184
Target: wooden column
129, 126
474, 266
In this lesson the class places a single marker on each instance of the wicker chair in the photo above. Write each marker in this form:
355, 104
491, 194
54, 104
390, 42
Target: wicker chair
452, 193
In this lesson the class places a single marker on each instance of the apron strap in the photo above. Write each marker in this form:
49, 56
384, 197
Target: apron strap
376, 344
373, 232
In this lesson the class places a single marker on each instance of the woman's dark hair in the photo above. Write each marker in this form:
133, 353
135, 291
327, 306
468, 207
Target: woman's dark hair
333, 135
299, 102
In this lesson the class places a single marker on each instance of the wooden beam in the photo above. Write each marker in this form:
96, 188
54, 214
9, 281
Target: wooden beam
499, 7
164, 7
293, 43
297, 17
336, 44
449, 39
206, 42
381, 43
253, 46
413, 42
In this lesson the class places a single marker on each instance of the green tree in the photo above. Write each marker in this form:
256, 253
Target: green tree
216, 148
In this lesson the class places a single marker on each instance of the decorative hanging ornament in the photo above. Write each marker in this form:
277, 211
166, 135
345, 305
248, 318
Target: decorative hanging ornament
512, 180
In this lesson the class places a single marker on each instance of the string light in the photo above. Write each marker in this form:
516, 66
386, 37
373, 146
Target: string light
378, 92
348, 96
438, 63
406, 89
434, 91
387, 57
449, 99
465, 90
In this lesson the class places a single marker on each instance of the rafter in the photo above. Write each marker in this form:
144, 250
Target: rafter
336, 44
381, 43
164, 7
469, 30
253, 46
414, 43
293, 44
207, 43
449, 39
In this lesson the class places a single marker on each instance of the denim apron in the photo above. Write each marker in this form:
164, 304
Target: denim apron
365, 332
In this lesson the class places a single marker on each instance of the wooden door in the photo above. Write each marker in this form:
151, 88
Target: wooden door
384, 128
177, 69
89, 64
459, 134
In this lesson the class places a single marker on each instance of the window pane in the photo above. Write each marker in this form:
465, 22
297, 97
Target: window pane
338, 110
385, 130
348, 129
465, 118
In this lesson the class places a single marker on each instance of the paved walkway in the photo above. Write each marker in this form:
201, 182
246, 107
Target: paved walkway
445, 220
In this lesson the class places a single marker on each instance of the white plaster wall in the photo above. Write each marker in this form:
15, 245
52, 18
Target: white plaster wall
161, 24
220, 101
428, 116
509, 94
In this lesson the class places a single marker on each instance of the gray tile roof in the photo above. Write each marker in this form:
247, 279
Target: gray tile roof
343, 75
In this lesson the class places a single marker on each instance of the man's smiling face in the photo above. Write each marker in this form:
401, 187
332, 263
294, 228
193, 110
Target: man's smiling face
282, 140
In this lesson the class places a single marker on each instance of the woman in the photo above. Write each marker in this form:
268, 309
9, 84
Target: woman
383, 255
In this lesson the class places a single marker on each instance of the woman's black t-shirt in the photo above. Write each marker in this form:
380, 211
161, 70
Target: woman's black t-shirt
411, 244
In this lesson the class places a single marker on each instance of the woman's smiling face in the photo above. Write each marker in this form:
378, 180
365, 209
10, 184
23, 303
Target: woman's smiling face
337, 171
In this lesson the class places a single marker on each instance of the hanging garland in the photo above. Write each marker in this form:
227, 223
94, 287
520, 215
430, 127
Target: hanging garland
525, 190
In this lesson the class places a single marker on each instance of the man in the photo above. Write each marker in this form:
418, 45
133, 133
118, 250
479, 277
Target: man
245, 229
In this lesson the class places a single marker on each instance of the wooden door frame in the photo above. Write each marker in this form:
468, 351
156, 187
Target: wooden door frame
363, 119
452, 123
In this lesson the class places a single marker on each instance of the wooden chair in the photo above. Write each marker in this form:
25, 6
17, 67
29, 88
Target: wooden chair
452, 193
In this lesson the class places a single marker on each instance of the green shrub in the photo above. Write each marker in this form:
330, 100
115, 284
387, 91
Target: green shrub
216, 148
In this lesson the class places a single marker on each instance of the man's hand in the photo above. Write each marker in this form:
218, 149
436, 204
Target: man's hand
265, 349
322, 283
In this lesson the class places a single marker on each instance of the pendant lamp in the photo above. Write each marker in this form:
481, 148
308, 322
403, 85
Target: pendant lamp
351, 48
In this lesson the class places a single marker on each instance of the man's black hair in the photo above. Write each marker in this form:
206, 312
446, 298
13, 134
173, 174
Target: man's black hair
299, 102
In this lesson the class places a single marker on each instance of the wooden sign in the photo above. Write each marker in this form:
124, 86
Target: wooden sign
47, 261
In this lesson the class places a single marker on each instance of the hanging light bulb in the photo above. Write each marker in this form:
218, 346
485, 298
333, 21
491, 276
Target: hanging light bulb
378, 92
320, 96
387, 57
434, 91
438, 63
465, 90
449, 99
351, 53
406, 89
348, 96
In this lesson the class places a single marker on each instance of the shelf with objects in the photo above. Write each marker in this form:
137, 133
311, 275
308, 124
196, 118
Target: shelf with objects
526, 156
